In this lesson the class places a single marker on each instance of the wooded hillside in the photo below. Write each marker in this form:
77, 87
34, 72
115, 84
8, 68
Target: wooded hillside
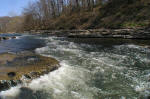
80, 14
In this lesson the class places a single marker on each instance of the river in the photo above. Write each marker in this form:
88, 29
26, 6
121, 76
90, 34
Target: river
88, 70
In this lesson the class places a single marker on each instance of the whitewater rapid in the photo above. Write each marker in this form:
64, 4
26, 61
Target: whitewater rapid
89, 72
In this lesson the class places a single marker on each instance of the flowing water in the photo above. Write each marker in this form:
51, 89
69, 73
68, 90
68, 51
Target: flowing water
89, 71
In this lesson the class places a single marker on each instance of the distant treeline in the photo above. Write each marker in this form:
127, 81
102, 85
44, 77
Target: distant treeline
79, 14
11, 24
59, 14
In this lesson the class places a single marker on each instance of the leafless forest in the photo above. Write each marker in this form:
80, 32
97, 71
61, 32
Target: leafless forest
78, 14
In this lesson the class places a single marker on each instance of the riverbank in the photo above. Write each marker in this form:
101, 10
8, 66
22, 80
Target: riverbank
138, 33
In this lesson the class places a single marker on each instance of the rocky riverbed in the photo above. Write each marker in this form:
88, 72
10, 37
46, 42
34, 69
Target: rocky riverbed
7, 38
138, 33
23, 67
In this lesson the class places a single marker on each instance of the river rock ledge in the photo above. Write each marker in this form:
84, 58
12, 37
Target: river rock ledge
23, 67
129, 33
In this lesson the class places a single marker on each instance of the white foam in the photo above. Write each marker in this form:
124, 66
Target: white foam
18, 37
11, 93
71, 80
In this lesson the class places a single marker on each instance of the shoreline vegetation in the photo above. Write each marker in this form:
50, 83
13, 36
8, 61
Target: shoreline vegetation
79, 15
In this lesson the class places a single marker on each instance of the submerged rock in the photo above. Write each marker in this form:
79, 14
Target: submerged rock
148, 97
14, 37
13, 67
5, 38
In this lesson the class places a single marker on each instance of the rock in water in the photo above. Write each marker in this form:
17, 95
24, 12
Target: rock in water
5, 38
14, 37
13, 67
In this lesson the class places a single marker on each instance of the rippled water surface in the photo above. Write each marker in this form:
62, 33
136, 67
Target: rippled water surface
21, 43
89, 71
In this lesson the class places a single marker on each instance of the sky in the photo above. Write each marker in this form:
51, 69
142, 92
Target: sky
12, 7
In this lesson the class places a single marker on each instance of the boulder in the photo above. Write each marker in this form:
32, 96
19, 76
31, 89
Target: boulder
14, 37
148, 97
5, 38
